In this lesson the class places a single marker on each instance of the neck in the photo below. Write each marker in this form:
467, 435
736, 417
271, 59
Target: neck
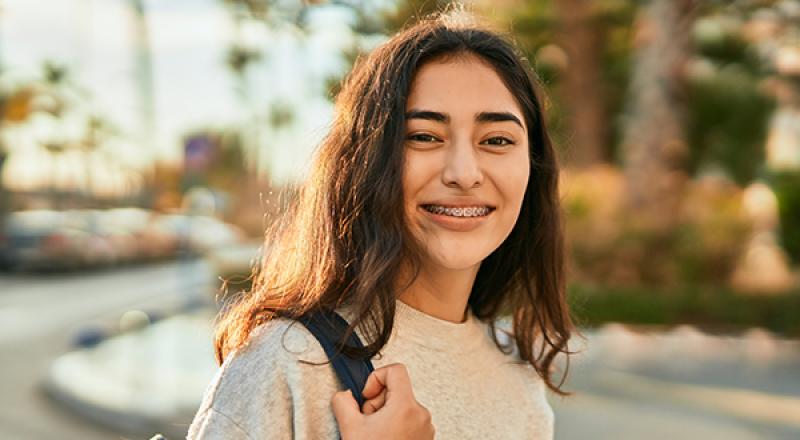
440, 292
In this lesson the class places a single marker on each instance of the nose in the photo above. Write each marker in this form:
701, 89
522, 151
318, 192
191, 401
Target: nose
462, 167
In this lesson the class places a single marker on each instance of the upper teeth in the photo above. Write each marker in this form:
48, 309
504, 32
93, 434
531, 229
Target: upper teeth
471, 211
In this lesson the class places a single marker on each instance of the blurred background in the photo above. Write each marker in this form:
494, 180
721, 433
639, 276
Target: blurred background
145, 145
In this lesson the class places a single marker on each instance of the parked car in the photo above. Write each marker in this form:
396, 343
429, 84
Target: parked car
120, 227
83, 238
200, 234
41, 240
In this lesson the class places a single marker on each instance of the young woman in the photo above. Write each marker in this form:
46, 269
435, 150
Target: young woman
431, 210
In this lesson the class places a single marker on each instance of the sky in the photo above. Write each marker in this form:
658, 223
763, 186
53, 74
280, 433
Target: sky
193, 88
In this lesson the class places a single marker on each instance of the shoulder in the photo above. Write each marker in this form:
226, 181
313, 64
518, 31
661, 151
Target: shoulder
267, 387
283, 340
272, 358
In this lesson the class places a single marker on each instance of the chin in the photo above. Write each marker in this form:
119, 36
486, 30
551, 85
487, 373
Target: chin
455, 260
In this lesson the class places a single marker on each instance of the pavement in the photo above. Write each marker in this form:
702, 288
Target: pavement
43, 315
682, 384
143, 381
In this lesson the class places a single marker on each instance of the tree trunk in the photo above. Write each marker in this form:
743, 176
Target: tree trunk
654, 143
583, 39
4, 199
144, 72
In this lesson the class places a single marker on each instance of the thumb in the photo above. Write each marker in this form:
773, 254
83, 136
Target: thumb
345, 409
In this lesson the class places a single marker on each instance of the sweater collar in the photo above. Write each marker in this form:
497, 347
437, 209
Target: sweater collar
434, 333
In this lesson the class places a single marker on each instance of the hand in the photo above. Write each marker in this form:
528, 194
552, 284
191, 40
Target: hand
390, 410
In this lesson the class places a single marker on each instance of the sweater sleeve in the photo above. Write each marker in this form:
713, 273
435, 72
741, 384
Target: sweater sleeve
266, 390
212, 424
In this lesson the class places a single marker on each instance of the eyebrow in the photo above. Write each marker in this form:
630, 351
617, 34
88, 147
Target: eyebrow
498, 117
428, 115
480, 117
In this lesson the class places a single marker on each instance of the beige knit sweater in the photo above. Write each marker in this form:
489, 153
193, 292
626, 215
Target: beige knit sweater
471, 388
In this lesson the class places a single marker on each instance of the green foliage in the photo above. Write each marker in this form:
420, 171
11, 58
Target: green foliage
534, 25
616, 61
727, 123
787, 189
709, 239
717, 39
728, 111
612, 245
714, 309
409, 11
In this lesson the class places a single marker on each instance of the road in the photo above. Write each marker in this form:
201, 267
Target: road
40, 315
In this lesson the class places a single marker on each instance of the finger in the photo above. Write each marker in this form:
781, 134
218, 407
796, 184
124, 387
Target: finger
372, 405
345, 409
373, 387
395, 379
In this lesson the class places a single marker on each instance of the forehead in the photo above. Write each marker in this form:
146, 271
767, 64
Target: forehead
463, 85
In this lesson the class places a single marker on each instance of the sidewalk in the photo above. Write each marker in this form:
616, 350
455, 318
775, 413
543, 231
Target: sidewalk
682, 384
142, 382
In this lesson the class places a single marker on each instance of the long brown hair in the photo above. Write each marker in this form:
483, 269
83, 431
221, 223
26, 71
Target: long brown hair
345, 238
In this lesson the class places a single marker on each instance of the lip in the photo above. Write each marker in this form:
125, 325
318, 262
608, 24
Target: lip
460, 202
456, 224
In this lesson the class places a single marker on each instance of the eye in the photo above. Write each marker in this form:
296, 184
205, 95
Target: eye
499, 141
422, 137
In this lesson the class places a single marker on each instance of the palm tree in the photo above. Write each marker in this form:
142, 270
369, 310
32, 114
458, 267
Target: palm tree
3, 149
54, 85
144, 71
98, 131
654, 141
291, 16
240, 59
64, 97
580, 53
3, 196
583, 39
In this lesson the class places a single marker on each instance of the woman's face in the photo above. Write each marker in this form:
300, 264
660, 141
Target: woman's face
466, 161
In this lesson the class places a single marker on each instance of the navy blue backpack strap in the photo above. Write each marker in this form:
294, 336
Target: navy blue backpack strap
329, 328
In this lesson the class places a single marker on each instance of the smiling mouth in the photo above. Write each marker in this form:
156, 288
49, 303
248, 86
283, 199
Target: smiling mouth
461, 211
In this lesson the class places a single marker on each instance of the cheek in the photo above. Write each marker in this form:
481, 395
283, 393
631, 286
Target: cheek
412, 185
418, 171
513, 180
409, 186
512, 184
